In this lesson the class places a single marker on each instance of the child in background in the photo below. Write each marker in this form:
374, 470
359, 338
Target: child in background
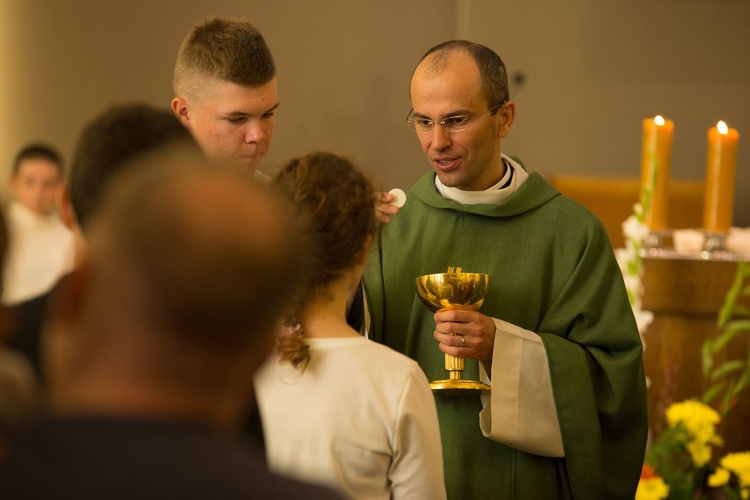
41, 247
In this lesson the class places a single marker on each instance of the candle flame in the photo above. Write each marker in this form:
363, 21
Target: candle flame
659, 120
723, 129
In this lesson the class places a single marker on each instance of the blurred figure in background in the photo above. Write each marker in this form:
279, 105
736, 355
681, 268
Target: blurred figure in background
153, 341
105, 147
41, 247
18, 387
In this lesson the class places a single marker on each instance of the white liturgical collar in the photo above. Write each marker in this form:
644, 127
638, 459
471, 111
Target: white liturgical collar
514, 176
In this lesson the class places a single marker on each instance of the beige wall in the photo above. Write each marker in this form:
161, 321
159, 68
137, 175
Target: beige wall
343, 69
594, 69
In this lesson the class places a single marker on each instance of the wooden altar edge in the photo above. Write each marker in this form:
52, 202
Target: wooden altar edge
687, 285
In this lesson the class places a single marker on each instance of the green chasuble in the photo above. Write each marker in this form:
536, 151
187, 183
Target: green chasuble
553, 272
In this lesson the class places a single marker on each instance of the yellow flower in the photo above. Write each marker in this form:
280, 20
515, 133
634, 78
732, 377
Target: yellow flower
652, 489
699, 452
739, 463
698, 419
718, 478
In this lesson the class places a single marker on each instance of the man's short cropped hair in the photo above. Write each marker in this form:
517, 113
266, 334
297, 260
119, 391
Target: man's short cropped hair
221, 49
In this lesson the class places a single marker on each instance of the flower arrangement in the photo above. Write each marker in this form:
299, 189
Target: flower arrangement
678, 463
737, 464
630, 260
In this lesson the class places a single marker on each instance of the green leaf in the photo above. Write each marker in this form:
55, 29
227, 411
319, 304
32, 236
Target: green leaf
727, 310
740, 386
707, 358
632, 268
730, 331
740, 310
713, 391
727, 368
647, 190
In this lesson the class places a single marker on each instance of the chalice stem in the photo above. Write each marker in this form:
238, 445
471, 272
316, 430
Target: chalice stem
454, 366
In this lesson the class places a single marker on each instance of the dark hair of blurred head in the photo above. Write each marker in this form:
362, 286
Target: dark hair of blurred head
110, 141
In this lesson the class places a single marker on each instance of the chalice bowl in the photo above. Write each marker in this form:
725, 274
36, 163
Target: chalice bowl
454, 290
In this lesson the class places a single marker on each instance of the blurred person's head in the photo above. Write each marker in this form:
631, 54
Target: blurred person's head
334, 204
36, 177
177, 303
224, 86
107, 145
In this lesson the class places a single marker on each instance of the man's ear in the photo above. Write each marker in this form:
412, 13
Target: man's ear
65, 209
68, 217
69, 294
181, 109
505, 116
59, 336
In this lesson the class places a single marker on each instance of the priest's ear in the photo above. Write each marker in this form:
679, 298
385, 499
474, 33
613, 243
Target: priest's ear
505, 116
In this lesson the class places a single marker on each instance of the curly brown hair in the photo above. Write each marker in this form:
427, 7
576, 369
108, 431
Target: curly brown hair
335, 205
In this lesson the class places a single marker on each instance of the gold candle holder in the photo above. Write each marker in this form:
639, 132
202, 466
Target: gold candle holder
454, 290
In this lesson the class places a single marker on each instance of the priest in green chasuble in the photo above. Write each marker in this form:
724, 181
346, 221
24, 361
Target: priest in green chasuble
555, 338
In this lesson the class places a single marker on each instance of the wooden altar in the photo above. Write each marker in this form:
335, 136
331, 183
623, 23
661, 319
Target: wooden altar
685, 294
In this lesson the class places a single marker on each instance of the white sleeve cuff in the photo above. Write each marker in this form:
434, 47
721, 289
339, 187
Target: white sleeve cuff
520, 412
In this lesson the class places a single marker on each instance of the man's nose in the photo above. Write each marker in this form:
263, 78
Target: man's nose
254, 132
440, 138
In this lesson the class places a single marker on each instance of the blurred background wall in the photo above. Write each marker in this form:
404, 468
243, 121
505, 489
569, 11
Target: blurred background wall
584, 74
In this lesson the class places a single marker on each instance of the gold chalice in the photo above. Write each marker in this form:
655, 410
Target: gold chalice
454, 290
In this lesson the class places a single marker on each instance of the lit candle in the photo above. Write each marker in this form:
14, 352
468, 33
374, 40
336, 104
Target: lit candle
657, 145
720, 168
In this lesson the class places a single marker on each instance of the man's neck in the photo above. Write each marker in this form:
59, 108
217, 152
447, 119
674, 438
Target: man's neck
128, 401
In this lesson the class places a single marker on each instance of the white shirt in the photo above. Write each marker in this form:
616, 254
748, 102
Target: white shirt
40, 251
360, 418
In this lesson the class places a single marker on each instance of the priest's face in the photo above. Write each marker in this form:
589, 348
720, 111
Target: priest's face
468, 158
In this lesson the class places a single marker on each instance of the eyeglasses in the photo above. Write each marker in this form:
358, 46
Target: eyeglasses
451, 124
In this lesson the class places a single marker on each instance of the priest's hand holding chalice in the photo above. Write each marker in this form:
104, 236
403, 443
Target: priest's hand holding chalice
455, 290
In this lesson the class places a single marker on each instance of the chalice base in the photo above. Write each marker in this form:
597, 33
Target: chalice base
459, 387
